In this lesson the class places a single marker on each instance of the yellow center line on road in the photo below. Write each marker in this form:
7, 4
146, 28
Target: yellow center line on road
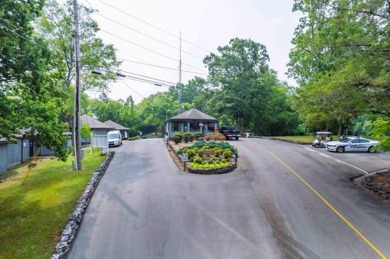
381, 255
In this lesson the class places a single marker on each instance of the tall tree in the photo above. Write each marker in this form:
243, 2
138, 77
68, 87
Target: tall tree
155, 109
341, 59
57, 26
247, 92
29, 97
236, 69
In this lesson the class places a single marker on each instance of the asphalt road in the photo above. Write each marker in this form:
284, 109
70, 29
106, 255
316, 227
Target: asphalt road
283, 201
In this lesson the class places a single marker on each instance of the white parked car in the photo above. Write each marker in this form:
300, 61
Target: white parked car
352, 144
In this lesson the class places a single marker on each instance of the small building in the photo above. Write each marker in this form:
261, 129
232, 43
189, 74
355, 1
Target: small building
124, 131
97, 127
192, 121
20, 150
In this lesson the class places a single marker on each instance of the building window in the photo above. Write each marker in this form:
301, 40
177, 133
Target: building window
194, 126
175, 126
211, 126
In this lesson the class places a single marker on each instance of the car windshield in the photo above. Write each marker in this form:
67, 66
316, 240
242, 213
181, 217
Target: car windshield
113, 136
345, 140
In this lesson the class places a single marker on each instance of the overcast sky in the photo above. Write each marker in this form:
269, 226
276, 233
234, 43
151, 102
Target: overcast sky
148, 32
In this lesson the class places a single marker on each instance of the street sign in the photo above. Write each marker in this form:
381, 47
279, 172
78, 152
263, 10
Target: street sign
184, 157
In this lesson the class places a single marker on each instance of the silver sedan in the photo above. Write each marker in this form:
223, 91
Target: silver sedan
352, 144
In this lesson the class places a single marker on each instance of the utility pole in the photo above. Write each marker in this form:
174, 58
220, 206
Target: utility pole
76, 120
179, 86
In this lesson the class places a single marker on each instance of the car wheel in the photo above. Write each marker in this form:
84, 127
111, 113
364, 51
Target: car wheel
317, 145
236, 138
371, 150
340, 149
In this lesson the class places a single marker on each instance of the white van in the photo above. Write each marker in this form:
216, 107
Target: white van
114, 138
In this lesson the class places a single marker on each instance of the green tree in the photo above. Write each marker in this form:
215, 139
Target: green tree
154, 110
341, 59
246, 91
235, 70
129, 116
85, 131
29, 96
57, 26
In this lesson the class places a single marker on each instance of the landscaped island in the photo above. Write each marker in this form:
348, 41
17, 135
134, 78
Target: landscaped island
209, 155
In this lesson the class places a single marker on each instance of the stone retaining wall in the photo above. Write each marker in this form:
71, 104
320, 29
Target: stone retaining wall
220, 170
75, 219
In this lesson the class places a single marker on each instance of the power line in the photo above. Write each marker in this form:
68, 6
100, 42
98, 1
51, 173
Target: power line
154, 26
153, 51
150, 37
133, 90
139, 77
24, 38
164, 67
148, 77
13, 32
143, 80
139, 45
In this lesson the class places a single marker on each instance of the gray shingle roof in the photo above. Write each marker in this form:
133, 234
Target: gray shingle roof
93, 123
115, 125
193, 114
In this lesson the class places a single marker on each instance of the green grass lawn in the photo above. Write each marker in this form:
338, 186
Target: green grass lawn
300, 139
33, 215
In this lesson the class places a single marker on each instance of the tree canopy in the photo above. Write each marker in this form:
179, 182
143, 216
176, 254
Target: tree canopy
29, 98
341, 58
247, 90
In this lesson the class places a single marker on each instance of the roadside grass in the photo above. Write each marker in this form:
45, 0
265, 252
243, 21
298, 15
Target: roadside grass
300, 139
33, 216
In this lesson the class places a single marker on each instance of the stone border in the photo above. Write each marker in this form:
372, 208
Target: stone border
219, 170
70, 231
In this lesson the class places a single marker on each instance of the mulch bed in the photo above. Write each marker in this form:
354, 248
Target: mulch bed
377, 184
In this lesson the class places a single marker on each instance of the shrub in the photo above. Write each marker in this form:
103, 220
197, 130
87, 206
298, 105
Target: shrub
209, 137
177, 137
219, 137
198, 135
186, 136
207, 152
200, 152
190, 153
217, 152
227, 153
198, 160
191, 138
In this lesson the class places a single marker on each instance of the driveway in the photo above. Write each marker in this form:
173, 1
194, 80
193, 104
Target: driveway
283, 201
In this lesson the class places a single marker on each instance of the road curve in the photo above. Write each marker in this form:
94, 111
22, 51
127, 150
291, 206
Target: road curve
145, 208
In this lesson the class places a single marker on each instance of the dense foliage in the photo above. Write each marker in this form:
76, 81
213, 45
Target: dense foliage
37, 68
248, 93
341, 59
29, 97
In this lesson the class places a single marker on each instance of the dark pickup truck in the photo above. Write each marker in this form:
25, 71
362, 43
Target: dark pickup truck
230, 132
